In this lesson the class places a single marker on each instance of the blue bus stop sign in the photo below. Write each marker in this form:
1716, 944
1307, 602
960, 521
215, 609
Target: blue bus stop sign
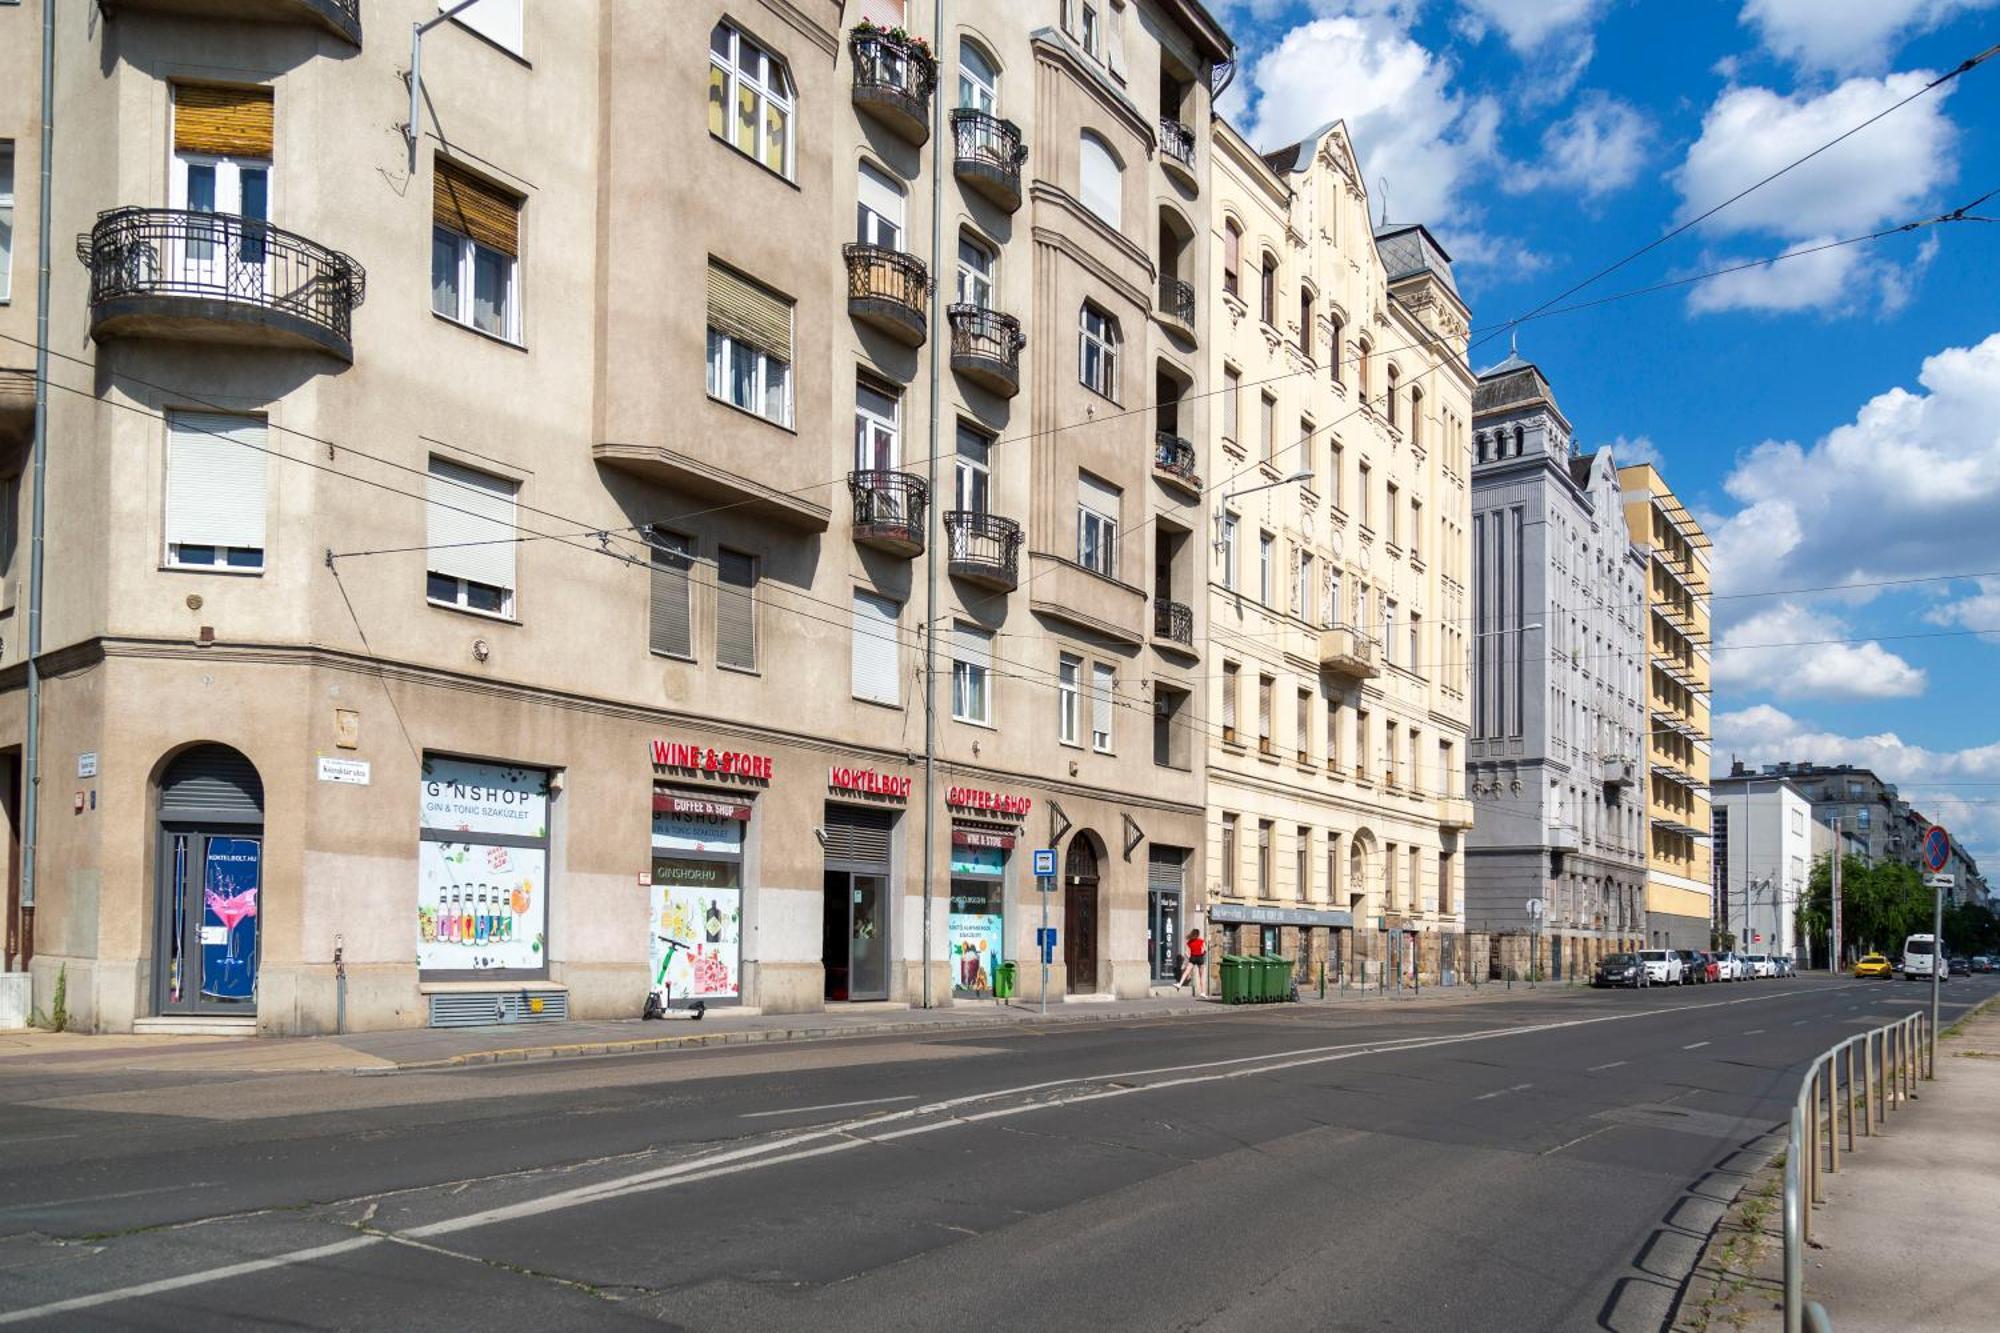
1045, 861
1937, 848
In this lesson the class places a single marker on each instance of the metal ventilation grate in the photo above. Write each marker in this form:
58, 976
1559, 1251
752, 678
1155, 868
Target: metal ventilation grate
461, 1009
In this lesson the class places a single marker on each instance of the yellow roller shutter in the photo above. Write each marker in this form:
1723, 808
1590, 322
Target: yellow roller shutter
469, 206
749, 313
229, 122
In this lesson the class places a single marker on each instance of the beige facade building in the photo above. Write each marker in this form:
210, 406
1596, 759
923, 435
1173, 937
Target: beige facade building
1338, 465
490, 569
1679, 894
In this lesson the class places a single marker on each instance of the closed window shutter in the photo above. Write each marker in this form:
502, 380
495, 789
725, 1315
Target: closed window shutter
1165, 869
1229, 699
749, 313
1096, 495
1114, 41
882, 13
465, 204
858, 839
228, 122
735, 609
471, 525
1101, 680
216, 468
972, 646
881, 196
671, 630
876, 673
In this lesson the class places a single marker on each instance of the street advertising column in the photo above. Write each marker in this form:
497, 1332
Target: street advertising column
482, 871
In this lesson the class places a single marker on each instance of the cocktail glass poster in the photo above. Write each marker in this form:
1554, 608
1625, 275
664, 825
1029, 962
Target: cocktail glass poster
697, 928
230, 878
480, 906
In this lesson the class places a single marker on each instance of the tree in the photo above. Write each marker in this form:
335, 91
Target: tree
1879, 904
1970, 929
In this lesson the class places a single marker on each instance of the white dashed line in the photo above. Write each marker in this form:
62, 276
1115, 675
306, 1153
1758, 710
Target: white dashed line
1694, 1045
1502, 1092
1594, 1068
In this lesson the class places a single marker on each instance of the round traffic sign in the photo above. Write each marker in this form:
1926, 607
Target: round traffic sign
1937, 848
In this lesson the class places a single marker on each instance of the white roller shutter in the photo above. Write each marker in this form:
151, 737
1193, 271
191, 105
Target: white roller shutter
471, 525
499, 20
877, 675
216, 467
1102, 681
1098, 496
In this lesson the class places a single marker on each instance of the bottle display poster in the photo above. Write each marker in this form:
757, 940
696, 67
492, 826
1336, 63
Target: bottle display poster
480, 907
697, 928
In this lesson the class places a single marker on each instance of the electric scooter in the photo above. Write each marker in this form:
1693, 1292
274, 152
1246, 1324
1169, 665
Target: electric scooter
660, 999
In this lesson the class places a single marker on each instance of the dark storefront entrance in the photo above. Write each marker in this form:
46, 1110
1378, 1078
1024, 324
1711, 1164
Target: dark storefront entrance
211, 884
1080, 914
854, 928
1165, 871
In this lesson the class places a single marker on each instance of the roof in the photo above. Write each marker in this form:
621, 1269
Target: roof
1298, 156
1408, 248
1515, 383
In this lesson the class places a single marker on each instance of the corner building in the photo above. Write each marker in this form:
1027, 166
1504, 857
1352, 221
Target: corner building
489, 570
1337, 469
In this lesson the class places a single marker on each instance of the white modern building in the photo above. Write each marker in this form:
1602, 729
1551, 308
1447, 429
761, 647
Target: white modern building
1763, 855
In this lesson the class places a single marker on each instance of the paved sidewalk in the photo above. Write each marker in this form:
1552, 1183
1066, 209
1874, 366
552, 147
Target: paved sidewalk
447, 1048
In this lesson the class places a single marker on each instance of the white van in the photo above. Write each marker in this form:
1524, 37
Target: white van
1920, 955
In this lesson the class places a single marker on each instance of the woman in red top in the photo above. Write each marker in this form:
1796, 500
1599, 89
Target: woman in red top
1194, 970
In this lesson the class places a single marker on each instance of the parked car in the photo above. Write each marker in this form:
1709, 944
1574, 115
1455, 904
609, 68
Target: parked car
1786, 966
1920, 956
1983, 963
1711, 966
1692, 967
1663, 967
1960, 967
1620, 969
1874, 965
1761, 966
1739, 970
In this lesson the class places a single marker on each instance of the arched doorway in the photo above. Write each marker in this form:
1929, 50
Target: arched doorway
1080, 913
210, 877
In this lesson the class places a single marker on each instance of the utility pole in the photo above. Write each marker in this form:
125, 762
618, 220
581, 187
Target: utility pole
31, 750
1939, 962
931, 518
1833, 964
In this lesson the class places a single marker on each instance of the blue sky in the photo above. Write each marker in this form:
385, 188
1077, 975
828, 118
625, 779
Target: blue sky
1834, 418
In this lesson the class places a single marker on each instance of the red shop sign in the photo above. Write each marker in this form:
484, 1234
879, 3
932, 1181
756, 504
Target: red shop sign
965, 837
868, 781
1001, 802
708, 759
665, 803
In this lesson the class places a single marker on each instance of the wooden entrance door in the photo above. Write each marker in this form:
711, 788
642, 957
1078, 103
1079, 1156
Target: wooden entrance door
1080, 914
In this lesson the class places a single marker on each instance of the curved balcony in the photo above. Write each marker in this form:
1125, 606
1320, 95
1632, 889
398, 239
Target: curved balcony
1173, 622
987, 157
1174, 462
1342, 652
1175, 307
985, 549
342, 18
889, 511
1177, 152
216, 277
893, 81
986, 348
886, 289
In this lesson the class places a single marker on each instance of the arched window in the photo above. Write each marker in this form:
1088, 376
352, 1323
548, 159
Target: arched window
1267, 291
1232, 258
975, 271
878, 207
1357, 867
749, 98
1097, 351
1101, 181
978, 80
1334, 353
1362, 350
1306, 321
1389, 395
1416, 414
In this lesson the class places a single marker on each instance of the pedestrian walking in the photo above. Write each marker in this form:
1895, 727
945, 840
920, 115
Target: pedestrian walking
1194, 965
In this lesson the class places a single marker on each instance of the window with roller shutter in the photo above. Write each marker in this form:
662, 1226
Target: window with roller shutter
670, 631
471, 539
749, 345
1102, 680
216, 491
876, 674
736, 609
475, 252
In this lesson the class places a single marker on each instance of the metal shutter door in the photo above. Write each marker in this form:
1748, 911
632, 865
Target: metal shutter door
671, 630
471, 525
858, 839
877, 675
735, 609
1165, 869
212, 782
216, 465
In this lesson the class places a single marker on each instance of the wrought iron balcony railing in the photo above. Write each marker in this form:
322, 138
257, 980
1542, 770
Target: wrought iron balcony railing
1173, 621
889, 509
1176, 457
986, 347
1177, 300
985, 548
893, 80
1177, 142
887, 288
987, 155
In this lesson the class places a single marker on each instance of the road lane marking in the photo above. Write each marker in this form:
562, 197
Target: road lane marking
1601, 1129
1694, 1045
1751, 1032
845, 1136
1613, 1065
1502, 1092
830, 1106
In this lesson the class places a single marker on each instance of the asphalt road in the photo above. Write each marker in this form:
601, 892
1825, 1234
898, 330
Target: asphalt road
1550, 1162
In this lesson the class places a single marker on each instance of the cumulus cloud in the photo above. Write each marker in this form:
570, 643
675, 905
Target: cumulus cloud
1785, 652
1979, 610
1526, 24
1597, 148
1637, 449
1843, 35
1806, 277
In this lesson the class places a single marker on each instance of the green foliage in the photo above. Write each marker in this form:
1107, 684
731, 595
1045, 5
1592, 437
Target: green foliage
1971, 929
1880, 905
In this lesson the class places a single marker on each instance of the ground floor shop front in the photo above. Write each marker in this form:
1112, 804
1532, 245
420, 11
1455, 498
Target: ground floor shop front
318, 844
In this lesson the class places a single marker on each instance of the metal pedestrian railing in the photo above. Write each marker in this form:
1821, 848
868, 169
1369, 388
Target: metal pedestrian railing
1891, 1060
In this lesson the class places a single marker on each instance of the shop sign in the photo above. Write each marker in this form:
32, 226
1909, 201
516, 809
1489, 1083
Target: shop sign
667, 803
972, 837
698, 833
480, 906
694, 874
869, 782
997, 802
1238, 913
466, 797
708, 759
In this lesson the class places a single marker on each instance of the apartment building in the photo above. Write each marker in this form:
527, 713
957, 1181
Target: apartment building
1338, 566
1679, 905
1763, 851
1555, 874
492, 563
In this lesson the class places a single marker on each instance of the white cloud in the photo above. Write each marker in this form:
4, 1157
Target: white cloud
1979, 610
1597, 148
1526, 24
1835, 281
1801, 665
1844, 35
1637, 449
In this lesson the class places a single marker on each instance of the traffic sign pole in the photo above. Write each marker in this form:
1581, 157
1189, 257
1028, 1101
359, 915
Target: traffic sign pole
1937, 855
1045, 884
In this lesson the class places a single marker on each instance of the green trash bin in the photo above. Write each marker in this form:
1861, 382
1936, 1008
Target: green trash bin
1253, 971
1281, 977
1003, 981
1235, 979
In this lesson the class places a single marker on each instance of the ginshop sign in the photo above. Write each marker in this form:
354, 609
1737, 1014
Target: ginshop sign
868, 782
998, 802
708, 759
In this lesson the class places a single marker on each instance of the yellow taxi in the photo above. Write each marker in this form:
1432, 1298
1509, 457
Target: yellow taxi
1875, 965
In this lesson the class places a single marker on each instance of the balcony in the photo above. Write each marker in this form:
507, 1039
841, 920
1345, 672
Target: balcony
890, 509
893, 80
1174, 463
985, 549
1620, 773
342, 18
986, 348
886, 289
1175, 307
987, 157
217, 277
1173, 623
1454, 813
1562, 838
1177, 152
1343, 652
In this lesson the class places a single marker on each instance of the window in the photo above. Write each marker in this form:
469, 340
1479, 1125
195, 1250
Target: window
1229, 853
1265, 686
1304, 729
1416, 415
1302, 588
1097, 525
1267, 291
1332, 733
749, 345
1362, 349
1173, 744
878, 209
1093, 28
1367, 476
1389, 631
1302, 874
222, 165
475, 241
1416, 760
1415, 861
1230, 674
972, 470
1332, 616
876, 674
670, 628
6, 217
1389, 395
735, 609
1416, 641
499, 21
1264, 828
1226, 551
1306, 322
1389, 738
971, 672
1362, 736
877, 433
975, 273
1389, 510
1102, 680
978, 80
470, 535
1069, 669
1334, 354
216, 489
1416, 526
1336, 464
1267, 429
1232, 258
1267, 591
749, 98
1097, 352
1100, 181
1304, 462
1232, 393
